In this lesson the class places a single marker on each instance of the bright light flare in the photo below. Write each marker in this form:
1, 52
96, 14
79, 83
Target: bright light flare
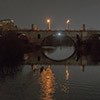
68, 21
48, 20
49, 24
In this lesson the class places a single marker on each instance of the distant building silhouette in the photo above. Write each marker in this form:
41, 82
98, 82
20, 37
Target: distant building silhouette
7, 24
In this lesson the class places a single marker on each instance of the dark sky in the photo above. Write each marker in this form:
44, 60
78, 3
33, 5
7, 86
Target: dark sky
26, 12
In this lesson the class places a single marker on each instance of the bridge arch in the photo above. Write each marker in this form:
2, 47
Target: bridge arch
60, 45
59, 37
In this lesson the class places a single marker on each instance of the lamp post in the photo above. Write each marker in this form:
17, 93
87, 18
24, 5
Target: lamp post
67, 24
49, 24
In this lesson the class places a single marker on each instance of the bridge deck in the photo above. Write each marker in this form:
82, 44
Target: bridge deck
38, 35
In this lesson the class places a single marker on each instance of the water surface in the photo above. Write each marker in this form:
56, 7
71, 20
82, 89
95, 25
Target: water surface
54, 82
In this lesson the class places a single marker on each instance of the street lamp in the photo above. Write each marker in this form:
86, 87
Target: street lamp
49, 24
67, 24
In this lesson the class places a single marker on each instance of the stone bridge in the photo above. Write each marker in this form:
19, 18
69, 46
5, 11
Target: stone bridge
37, 36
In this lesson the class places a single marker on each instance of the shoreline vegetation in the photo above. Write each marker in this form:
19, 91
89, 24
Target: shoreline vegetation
12, 50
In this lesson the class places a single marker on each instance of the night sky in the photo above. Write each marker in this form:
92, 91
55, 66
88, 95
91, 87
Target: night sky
27, 12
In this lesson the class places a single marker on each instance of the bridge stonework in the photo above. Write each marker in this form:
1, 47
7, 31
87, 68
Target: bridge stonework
37, 36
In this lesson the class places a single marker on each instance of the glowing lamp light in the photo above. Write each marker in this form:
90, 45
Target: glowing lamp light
67, 24
48, 20
68, 21
49, 24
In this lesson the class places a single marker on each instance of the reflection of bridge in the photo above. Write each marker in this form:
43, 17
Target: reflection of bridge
38, 35
38, 58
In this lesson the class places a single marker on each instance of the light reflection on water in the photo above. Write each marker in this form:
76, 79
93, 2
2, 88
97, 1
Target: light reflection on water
54, 82
47, 81
67, 72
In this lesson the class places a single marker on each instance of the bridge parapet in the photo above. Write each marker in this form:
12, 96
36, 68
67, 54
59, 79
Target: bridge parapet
37, 36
